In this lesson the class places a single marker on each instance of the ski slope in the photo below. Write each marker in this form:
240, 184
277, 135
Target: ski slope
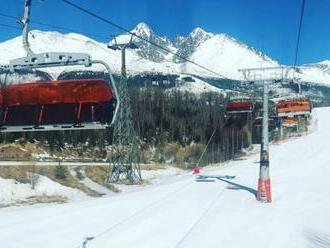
180, 212
197, 86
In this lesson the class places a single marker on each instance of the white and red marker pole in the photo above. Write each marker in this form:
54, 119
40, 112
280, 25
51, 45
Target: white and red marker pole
264, 187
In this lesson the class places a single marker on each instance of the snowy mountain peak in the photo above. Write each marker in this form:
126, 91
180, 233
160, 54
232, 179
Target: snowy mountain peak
199, 32
324, 62
218, 52
263, 58
142, 29
188, 44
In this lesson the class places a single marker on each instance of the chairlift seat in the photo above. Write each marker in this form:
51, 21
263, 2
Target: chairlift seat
56, 103
293, 107
236, 107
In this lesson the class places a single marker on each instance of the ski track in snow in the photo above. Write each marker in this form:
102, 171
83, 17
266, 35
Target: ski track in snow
184, 213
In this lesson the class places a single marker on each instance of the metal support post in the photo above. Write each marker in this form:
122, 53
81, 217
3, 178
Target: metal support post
264, 190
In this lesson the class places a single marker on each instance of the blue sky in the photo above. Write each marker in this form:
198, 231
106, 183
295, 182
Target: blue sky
269, 25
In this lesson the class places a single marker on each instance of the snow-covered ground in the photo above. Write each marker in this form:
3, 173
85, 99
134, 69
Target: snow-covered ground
197, 86
12, 192
181, 212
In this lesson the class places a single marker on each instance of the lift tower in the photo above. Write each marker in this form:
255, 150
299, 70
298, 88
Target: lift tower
125, 157
265, 76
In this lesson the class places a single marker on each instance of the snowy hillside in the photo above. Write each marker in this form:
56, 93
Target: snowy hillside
219, 52
196, 85
319, 72
55, 42
13, 192
226, 55
187, 45
181, 212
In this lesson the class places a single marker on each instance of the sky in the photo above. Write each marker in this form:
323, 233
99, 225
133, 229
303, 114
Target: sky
270, 26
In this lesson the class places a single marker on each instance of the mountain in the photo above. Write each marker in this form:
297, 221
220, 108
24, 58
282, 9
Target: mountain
218, 52
316, 72
224, 54
50, 41
145, 49
187, 45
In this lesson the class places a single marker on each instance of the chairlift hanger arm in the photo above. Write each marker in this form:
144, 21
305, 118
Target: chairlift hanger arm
52, 59
122, 46
114, 87
55, 127
25, 21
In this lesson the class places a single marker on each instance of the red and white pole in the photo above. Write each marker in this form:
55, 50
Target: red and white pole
264, 187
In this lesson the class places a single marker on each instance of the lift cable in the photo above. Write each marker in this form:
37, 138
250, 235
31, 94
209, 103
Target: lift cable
205, 148
10, 26
57, 27
208, 208
140, 37
158, 202
299, 32
119, 27
8, 16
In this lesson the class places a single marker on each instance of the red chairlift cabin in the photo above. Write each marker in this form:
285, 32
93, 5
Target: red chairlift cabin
289, 122
56, 105
59, 104
239, 106
293, 107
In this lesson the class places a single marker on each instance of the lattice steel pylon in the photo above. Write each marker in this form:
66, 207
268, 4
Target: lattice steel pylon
125, 158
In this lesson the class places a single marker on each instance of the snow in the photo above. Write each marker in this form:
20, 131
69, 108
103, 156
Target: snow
198, 86
225, 55
95, 186
152, 178
316, 74
161, 175
181, 212
324, 62
200, 34
12, 192
218, 52
142, 29
42, 41
121, 39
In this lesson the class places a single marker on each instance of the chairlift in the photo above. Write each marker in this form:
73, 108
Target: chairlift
258, 122
289, 122
293, 107
60, 104
239, 106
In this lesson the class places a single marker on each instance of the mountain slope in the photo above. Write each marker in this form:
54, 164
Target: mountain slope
318, 72
42, 41
181, 212
218, 52
226, 55
187, 45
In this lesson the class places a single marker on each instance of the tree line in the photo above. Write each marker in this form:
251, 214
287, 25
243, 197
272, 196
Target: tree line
161, 115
